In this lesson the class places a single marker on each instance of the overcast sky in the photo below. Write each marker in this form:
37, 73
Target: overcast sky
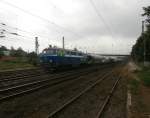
98, 26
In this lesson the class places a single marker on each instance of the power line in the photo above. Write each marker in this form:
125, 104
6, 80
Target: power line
4, 38
21, 30
13, 33
39, 17
101, 18
17, 34
54, 6
8, 37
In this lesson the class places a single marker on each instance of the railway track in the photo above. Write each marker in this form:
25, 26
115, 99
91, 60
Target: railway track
10, 92
17, 72
102, 109
18, 75
63, 95
29, 77
16, 81
99, 80
6, 76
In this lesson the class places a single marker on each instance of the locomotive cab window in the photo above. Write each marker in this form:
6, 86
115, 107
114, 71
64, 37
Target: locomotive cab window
73, 53
67, 52
44, 51
51, 52
80, 54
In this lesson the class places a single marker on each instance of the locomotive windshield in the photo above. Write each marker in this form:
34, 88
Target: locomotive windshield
61, 52
50, 51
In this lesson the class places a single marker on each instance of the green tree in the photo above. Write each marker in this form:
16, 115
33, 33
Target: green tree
138, 49
18, 53
12, 51
32, 58
2, 48
147, 13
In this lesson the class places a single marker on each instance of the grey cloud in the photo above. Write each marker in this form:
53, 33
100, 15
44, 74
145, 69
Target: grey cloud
84, 26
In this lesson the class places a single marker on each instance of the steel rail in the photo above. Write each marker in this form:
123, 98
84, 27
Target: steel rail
34, 75
36, 82
18, 75
78, 95
99, 114
44, 76
22, 76
7, 73
26, 74
41, 86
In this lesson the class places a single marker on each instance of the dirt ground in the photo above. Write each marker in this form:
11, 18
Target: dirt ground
141, 103
140, 99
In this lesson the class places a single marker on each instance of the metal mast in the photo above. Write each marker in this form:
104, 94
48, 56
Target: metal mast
144, 42
63, 42
36, 46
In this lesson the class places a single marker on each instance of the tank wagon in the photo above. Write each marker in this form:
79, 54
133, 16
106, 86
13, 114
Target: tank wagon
53, 57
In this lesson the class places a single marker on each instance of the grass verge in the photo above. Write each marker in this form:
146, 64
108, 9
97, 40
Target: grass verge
134, 86
14, 64
144, 76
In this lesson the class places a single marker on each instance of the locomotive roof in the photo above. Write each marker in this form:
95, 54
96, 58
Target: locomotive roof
55, 48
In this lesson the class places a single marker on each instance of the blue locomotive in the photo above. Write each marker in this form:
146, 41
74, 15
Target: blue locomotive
54, 57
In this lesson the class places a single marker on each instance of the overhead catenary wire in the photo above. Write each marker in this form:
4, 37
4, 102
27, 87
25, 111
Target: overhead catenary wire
24, 31
17, 36
8, 37
54, 6
5, 26
139, 4
12, 41
53, 23
107, 26
14, 33
21, 30
17, 39
113, 28
41, 18
101, 18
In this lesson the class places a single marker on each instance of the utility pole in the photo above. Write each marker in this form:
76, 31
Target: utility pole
143, 22
144, 42
36, 46
63, 43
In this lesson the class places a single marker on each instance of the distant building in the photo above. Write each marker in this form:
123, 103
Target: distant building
6, 53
